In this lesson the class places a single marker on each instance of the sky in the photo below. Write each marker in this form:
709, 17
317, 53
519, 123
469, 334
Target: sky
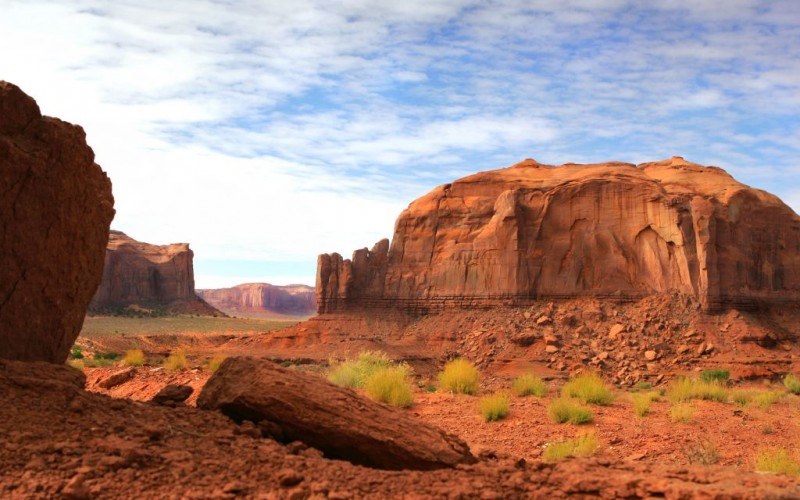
267, 132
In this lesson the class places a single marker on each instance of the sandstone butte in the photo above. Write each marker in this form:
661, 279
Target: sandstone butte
611, 231
56, 207
263, 299
141, 275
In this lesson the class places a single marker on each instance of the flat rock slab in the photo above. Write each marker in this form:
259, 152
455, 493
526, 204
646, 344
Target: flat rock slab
337, 421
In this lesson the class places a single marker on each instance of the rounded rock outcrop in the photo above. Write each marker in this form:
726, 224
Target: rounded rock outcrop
56, 207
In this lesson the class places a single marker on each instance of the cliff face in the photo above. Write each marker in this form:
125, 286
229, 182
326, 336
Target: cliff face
150, 276
263, 299
611, 230
55, 209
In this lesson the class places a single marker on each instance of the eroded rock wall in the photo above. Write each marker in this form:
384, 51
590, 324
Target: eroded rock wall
55, 210
611, 230
148, 276
263, 299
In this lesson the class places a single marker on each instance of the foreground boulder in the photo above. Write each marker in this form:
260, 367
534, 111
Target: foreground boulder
336, 421
56, 207
613, 230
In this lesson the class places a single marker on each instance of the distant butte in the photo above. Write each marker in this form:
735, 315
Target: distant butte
612, 230
263, 300
139, 275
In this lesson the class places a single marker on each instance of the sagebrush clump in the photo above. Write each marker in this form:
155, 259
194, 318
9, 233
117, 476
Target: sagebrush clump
133, 357
584, 445
390, 385
459, 376
176, 361
681, 413
529, 385
589, 388
777, 460
354, 373
563, 410
494, 407
792, 383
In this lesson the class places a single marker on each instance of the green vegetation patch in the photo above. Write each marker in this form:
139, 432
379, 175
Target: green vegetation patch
495, 406
589, 388
529, 384
584, 445
567, 410
459, 376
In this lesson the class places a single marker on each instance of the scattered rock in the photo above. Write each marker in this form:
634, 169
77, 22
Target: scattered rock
615, 331
173, 393
543, 320
650, 355
117, 378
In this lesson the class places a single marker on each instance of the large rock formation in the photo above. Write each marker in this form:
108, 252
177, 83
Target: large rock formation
148, 276
293, 406
55, 210
611, 230
263, 299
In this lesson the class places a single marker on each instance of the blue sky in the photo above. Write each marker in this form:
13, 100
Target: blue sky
267, 132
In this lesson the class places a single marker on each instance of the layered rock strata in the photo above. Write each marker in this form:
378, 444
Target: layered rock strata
613, 230
138, 274
263, 299
55, 210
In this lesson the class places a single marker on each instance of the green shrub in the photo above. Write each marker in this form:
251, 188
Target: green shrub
390, 385
215, 362
584, 445
529, 385
78, 364
681, 412
494, 407
133, 357
777, 460
643, 386
564, 410
76, 353
589, 388
715, 375
459, 376
176, 361
792, 383
354, 373
112, 356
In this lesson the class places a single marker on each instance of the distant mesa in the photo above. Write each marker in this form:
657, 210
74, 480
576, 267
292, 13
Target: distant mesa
263, 300
148, 278
55, 209
612, 230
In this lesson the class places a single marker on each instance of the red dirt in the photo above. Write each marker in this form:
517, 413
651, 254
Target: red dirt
68, 442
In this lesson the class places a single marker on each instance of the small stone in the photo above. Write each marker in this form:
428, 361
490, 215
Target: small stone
527, 315
701, 349
550, 349
234, 488
173, 393
615, 331
543, 320
75, 488
288, 478
650, 355
603, 355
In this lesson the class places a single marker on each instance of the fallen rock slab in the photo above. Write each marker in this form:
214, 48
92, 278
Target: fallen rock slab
336, 421
117, 378
173, 394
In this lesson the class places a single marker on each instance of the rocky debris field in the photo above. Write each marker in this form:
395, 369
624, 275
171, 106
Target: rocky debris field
64, 441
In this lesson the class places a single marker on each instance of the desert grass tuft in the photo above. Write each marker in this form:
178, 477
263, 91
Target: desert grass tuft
681, 413
641, 402
584, 445
354, 373
767, 398
686, 389
777, 460
742, 397
529, 385
390, 385
459, 376
133, 357
495, 406
715, 375
563, 410
215, 362
176, 361
589, 388
792, 383
78, 364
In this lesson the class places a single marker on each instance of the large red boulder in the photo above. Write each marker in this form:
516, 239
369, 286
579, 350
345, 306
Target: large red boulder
55, 210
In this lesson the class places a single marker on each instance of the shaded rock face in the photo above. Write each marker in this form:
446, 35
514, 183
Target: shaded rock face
150, 276
55, 209
263, 299
611, 230
290, 406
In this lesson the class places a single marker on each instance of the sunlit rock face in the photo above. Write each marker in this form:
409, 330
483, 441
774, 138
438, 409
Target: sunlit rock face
55, 210
612, 230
